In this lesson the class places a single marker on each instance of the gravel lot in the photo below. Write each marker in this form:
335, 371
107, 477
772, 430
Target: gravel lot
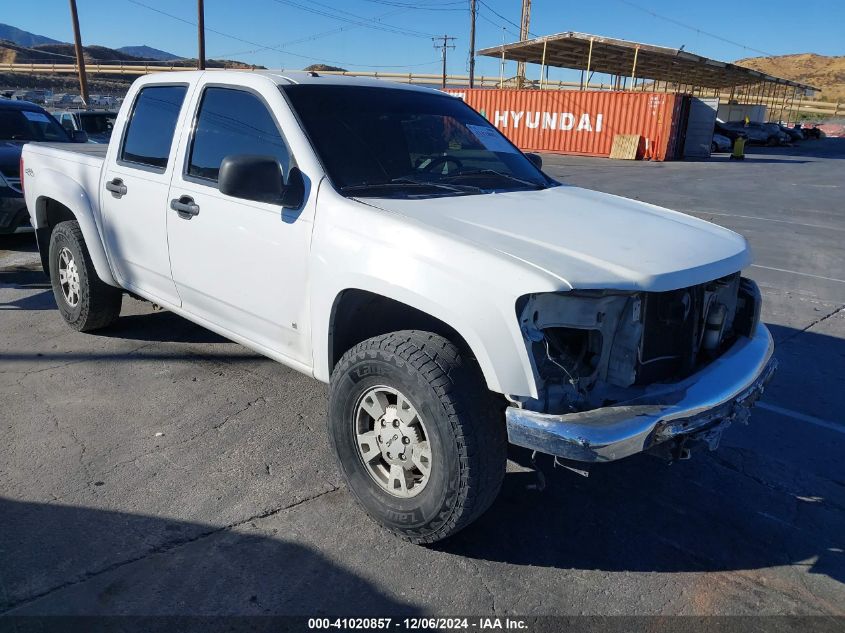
156, 468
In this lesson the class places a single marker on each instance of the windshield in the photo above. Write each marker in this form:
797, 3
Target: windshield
98, 123
382, 142
30, 125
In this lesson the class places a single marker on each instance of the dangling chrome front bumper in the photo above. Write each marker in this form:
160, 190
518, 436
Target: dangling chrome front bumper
704, 403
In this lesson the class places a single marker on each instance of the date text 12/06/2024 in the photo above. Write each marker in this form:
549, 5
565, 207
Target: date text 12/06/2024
412, 624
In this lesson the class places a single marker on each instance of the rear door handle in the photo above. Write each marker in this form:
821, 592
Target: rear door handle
117, 188
185, 207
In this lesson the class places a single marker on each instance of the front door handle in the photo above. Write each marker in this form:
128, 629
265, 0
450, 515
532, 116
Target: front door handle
117, 188
185, 207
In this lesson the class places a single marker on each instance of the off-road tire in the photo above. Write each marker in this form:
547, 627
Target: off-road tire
99, 303
465, 422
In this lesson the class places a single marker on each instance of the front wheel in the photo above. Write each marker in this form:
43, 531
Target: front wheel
85, 301
419, 438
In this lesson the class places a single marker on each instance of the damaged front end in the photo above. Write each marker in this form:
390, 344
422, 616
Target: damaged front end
622, 372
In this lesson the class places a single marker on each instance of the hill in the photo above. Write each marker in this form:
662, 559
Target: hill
23, 38
60, 52
825, 72
148, 52
64, 54
325, 68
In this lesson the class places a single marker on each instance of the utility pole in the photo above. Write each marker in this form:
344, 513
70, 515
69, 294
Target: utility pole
524, 23
80, 56
502, 67
200, 35
446, 39
472, 13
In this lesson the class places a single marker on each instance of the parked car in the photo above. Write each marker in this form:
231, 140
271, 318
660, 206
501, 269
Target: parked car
20, 122
721, 143
811, 132
97, 124
388, 240
756, 133
793, 133
729, 132
777, 133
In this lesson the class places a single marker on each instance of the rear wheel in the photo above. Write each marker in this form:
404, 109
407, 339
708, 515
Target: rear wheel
419, 438
85, 302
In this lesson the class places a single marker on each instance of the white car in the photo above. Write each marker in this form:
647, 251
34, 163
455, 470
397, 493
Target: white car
720, 143
387, 240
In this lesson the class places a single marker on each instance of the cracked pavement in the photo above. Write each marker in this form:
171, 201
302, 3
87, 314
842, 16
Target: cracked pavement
155, 468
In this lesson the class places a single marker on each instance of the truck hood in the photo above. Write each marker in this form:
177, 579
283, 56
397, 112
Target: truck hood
586, 239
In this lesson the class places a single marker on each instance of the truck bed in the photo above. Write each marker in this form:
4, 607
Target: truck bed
92, 150
81, 162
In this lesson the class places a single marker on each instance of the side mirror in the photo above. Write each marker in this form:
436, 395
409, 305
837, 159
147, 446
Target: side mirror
535, 159
79, 136
259, 178
294, 194
251, 177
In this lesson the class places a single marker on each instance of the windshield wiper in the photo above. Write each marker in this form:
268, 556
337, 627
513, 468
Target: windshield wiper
403, 182
428, 183
499, 174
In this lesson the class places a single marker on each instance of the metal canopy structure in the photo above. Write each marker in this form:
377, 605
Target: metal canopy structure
593, 53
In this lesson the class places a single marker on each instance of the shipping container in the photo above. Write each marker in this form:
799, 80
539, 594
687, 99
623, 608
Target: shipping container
580, 122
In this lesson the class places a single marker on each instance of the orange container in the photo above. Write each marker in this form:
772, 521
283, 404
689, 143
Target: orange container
576, 122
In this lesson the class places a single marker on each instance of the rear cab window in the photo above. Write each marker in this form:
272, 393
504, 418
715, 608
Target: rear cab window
152, 124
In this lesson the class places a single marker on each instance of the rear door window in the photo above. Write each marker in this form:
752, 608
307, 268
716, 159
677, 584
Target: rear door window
150, 130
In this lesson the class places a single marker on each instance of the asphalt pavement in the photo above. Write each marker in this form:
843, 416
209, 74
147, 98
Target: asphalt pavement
155, 468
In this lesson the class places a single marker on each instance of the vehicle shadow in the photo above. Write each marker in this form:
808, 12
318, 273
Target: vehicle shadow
83, 561
750, 159
156, 326
811, 148
160, 327
25, 278
772, 494
19, 242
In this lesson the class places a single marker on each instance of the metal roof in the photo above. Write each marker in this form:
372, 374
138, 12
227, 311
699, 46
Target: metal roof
617, 57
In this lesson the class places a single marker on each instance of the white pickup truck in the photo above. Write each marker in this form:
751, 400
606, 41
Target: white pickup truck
387, 240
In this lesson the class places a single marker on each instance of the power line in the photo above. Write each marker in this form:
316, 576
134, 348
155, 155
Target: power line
354, 19
273, 48
439, 6
38, 50
321, 34
92, 60
496, 24
492, 10
694, 28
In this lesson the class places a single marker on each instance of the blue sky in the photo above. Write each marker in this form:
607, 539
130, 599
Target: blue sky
394, 35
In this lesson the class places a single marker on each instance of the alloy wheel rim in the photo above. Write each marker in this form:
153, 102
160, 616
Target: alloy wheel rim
392, 442
68, 277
